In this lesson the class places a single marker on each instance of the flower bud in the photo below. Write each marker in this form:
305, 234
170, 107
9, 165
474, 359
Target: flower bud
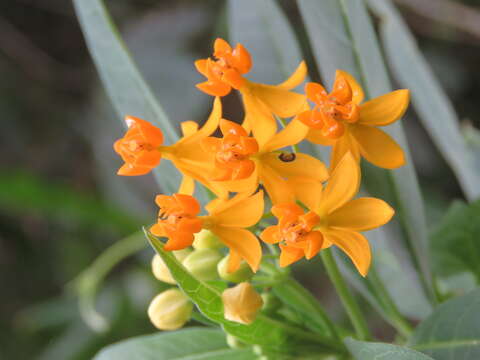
243, 273
205, 239
241, 303
170, 310
203, 264
160, 269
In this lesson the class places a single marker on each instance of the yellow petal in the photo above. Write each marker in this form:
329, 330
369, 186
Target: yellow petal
292, 134
281, 102
277, 188
187, 186
240, 211
302, 165
209, 127
384, 109
188, 128
357, 90
361, 214
258, 118
296, 78
242, 242
307, 191
246, 186
241, 303
354, 244
289, 255
378, 147
315, 136
342, 185
342, 146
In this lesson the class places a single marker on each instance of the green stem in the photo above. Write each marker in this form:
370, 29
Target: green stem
349, 302
394, 316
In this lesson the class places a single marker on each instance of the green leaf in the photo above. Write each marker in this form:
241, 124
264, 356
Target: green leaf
129, 93
342, 37
430, 101
454, 243
187, 344
264, 331
452, 332
362, 350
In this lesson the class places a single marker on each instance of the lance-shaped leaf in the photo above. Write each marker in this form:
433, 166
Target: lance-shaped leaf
362, 350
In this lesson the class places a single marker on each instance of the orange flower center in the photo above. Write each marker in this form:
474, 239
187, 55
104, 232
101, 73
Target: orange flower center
294, 228
178, 213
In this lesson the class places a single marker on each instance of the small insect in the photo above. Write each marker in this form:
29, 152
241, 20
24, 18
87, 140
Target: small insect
287, 157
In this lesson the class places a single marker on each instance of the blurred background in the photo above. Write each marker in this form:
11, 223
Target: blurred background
61, 203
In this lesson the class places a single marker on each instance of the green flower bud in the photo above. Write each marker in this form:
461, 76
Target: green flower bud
244, 273
170, 310
203, 264
160, 270
205, 239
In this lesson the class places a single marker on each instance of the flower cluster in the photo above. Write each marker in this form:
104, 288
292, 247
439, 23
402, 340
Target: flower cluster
314, 205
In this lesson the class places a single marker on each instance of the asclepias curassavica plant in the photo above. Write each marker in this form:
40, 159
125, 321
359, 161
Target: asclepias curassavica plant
244, 201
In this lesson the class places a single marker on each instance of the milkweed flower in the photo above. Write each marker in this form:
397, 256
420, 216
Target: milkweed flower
333, 218
339, 118
226, 72
228, 219
241, 303
241, 162
142, 149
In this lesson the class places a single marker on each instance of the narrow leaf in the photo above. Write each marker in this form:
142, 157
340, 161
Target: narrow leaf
435, 110
362, 350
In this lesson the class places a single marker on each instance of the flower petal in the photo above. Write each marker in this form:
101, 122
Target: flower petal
214, 88
361, 214
315, 136
344, 145
188, 128
289, 255
277, 188
296, 78
342, 185
209, 127
234, 261
270, 235
281, 102
240, 211
302, 165
242, 242
355, 245
307, 191
258, 118
187, 186
378, 147
292, 134
357, 91
314, 241
384, 109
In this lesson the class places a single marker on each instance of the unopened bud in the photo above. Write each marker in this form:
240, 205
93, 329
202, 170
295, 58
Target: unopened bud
205, 239
243, 273
241, 303
203, 264
170, 310
160, 269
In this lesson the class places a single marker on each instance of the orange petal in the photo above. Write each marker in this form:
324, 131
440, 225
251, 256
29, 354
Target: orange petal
151, 133
361, 214
355, 245
187, 185
270, 235
240, 211
302, 165
214, 88
296, 78
221, 46
357, 92
315, 136
378, 147
342, 185
178, 240
234, 261
242, 242
341, 89
314, 91
289, 255
233, 78
201, 66
281, 102
307, 191
241, 59
277, 188
230, 127
314, 244
312, 118
158, 230
259, 118
341, 147
188, 128
384, 109
210, 125
292, 134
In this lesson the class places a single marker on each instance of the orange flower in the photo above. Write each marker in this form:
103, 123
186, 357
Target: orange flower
139, 147
227, 219
261, 101
333, 218
340, 119
241, 163
142, 150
